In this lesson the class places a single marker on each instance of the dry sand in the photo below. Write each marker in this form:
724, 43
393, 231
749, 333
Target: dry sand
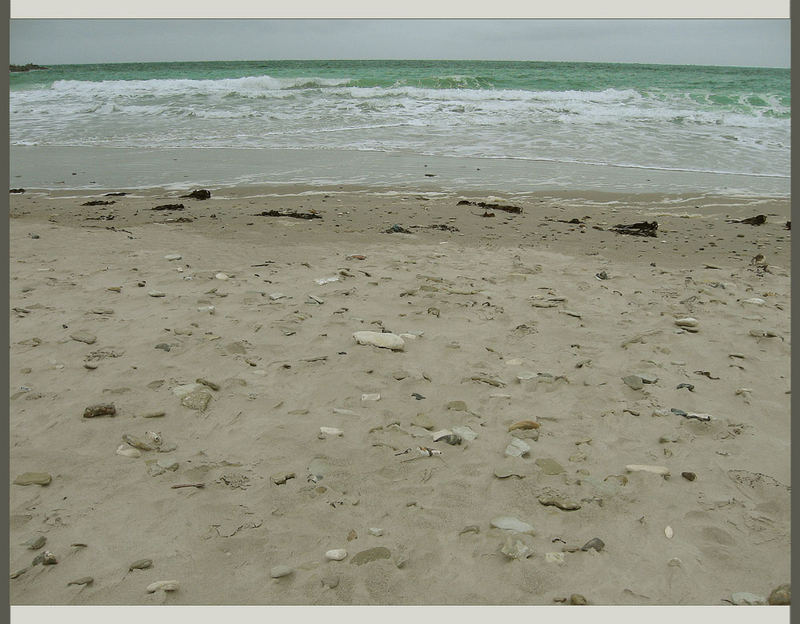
506, 315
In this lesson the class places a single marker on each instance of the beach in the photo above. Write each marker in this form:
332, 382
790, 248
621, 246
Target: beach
569, 413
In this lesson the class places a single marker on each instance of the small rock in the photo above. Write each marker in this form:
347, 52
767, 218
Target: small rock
331, 431
140, 564
197, 400
35, 543
163, 346
162, 585
84, 580
556, 499
282, 477
172, 257
517, 448
687, 323
668, 532
371, 554
689, 476
103, 409
33, 478
371, 397
83, 336
781, 595
400, 375
634, 381
375, 531
595, 543
577, 599
330, 580
337, 554
279, 571
378, 339
509, 523
156, 293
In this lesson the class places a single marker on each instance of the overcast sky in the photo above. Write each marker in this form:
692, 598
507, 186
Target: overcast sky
752, 43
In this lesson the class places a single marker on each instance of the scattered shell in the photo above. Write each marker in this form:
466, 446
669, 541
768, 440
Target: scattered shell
163, 585
669, 532
221, 276
595, 543
336, 555
127, 451
509, 523
517, 448
333, 431
687, 322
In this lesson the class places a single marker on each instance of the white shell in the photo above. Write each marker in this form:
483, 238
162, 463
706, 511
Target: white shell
687, 322
755, 301
337, 554
371, 397
221, 276
127, 451
165, 585
331, 431
669, 532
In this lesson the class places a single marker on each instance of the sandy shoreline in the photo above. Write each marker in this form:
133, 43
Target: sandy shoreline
512, 301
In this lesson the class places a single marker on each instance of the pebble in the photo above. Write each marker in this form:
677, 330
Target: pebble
556, 499
221, 276
330, 580
33, 478
549, 466
689, 476
577, 599
344, 412
167, 464
515, 548
172, 257
35, 543
102, 311
280, 571
378, 339
164, 346
140, 564
781, 595
755, 301
505, 473
336, 555
659, 470
669, 532
687, 322
197, 400
83, 336
375, 531
84, 580
275, 296
371, 397
156, 293
510, 523
281, 477
517, 448
103, 409
633, 381
400, 375
371, 554
595, 543
90, 365
333, 431
162, 585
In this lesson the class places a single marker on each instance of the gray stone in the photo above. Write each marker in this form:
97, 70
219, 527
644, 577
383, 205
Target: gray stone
517, 448
633, 381
556, 499
197, 400
595, 543
746, 598
279, 571
781, 595
84, 336
163, 346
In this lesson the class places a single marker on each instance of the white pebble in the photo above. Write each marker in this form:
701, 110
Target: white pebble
165, 585
669, 532
371, 397
172, 257
221, 276
375, 531
331, 431
337, 554
659, 470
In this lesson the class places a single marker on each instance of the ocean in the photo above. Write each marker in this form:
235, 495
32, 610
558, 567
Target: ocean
489, 125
